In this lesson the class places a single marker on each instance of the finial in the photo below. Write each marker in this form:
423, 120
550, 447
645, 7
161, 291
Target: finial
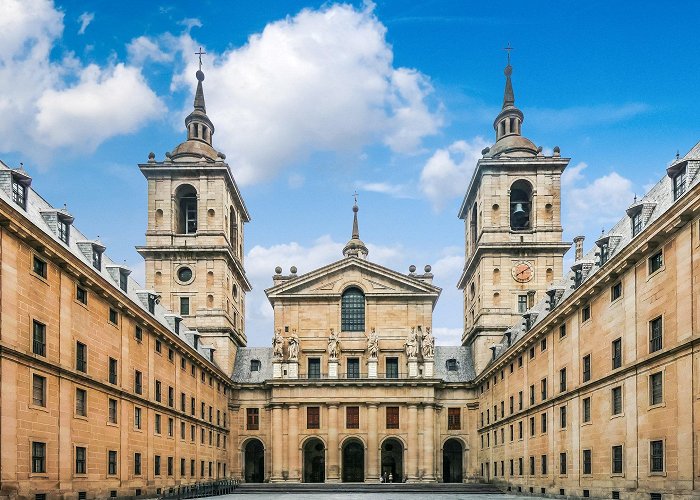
200, 54
635, 198
508, 49
678, 155
508, 95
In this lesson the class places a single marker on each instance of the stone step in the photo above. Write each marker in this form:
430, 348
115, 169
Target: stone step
368, 488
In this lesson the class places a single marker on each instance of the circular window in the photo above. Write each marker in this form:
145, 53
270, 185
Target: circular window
184, 274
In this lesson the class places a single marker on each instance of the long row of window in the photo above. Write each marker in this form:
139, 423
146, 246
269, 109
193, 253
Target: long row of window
38, 463
617, 462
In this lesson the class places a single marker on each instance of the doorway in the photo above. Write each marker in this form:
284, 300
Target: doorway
314, 461
452, 461
254, 462
392, 460
353, 462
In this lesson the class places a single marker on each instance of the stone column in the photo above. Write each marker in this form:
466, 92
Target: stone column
276, 443
372, 444
429, 442
412, 465
293, 443
333, 464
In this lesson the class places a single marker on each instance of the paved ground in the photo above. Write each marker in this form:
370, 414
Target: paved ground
371, 496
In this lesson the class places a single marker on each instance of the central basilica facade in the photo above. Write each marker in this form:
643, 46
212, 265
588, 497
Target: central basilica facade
576, 382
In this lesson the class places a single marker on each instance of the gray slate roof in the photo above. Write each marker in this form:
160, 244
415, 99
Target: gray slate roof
653, 205
465, 366
241, 367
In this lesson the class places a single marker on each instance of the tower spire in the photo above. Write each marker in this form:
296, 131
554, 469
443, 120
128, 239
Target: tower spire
355, 247
508, 96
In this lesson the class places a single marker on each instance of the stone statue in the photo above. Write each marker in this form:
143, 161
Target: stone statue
411, 344
293, 345
333, 346
428, 344
373, 345
278, 345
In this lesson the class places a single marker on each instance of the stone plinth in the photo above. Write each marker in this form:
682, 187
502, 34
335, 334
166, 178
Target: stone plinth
372, 368
277, 369
292, 369
333, 368
428, 368
412, 367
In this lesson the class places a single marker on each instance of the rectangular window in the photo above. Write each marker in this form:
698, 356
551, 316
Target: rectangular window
616, 291
636, 223
586, 410
543, 344
19, 193
656, 455
392, 417
156, 426
454, 419
617, 461
138, 382
562, 331
81, 402
112, 371
184, 306
183, 402
352, 417
111, 462
543, 461
313, 417
520, 466
543, 388
123, 281
532, 426
112, 410
604, 252
616, 400
543, 422
562, 380
171, 355
314, 368
171, 397
137, 417
532, 394
252, 419
183, 430
586, 313
158, 391
80, 460
171, 427
511, 406
193, 405
532, 352
656, 394
138, 333
170, 466
38, 338
520, 400
522, 304
562, 417
586, 368
520, 429
392, 367
156, 465
96, 258
63, 230
81, 357
38, 457
353, 366
158, 346
39, 267
183, 467
655, 335
587, 466
617, 353
532, 466
137, 464
192, 467
113, 316
38, 390
678, 184
562, 463
656, 262
81, 294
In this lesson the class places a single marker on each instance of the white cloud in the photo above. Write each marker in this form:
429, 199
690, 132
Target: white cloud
48, 111
447, 172
104, 103
394, 190
322, 80
590, 205
143, 49
85, 19
447, 336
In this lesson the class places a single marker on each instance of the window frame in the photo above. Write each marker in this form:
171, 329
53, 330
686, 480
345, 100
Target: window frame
656, 334
454, 418
393, 417
652, 396
353, 305
313, 417
38, 464
617, 401
352, 417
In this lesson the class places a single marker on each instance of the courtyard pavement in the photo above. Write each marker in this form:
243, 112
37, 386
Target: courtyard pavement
374, 496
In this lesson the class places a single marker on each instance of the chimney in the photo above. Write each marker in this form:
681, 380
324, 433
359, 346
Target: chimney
578, 241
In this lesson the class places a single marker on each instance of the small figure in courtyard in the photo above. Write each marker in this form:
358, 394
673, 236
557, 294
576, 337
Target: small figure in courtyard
293, 344
373, 345
428, 344
411, 344
333, 345
277, 344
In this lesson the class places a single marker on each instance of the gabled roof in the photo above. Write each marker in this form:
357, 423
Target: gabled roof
321, 281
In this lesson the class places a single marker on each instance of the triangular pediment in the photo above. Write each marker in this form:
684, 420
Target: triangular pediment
333, 279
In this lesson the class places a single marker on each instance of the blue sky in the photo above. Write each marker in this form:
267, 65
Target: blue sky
314, 100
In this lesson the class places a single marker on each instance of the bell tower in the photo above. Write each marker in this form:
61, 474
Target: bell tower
513, 234
194, 240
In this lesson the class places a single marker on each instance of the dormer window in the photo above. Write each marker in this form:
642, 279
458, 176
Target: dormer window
451, 365
679, 184
19, 193
578, 278
123, 281
636, 223
63, 227
152, 301
604, 252
254, 365
96, 259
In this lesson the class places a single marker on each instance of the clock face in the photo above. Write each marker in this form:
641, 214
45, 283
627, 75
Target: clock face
522, 272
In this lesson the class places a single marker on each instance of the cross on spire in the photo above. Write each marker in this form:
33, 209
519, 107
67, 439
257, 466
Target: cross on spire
354, 195
200, 54
508, 49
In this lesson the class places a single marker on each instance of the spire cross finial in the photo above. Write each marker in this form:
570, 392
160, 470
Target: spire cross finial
508, 49
200, 54
354, 195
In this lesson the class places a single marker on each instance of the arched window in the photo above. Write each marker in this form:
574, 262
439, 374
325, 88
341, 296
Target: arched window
186, 199
520, 205
352, 310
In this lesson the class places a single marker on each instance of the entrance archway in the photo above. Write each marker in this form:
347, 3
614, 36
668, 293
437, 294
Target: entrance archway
452, 461
254, 462
353, 462
392, 460
314, 461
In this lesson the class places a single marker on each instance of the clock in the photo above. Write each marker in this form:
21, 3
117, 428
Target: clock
522, 272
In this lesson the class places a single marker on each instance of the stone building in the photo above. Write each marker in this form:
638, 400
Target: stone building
577, 382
